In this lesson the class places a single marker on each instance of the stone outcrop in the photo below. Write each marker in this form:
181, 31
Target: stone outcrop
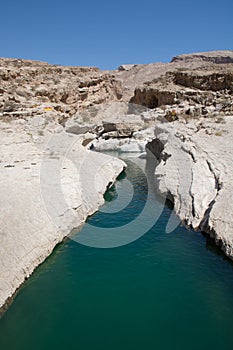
217, 57
31, 86
153, 97
124, 67
195, 171
182, 111
198, 88
206, 80
164, 78
44, 193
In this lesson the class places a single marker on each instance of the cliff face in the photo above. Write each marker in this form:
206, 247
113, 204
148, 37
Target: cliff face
187, 119
29, 86
213, 80
195, 169
217, 57
149, 74
206, 85
191, 101
34, 98
193, 98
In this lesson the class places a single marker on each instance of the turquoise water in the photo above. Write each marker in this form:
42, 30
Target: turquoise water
163, 291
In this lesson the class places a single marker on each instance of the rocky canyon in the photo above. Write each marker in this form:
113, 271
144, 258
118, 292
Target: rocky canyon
52, 117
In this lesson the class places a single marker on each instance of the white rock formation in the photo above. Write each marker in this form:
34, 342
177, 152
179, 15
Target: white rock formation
49, 184
196, 170
136, 144
47, 190
119, 145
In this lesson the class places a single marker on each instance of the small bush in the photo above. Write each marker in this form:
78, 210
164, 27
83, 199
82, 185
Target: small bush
218, 133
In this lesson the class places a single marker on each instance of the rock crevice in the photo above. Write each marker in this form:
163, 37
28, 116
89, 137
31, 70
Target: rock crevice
198, 176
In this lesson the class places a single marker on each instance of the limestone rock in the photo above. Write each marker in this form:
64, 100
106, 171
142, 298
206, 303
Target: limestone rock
127, 67
162, 74
122, 110
195, 170
66, 89
217, 57
210, 80
43, 195
119, 145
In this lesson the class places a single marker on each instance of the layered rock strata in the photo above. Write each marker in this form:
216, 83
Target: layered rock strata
29, 87
45, 170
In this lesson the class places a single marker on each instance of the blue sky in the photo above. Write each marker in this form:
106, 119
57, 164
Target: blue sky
107, 34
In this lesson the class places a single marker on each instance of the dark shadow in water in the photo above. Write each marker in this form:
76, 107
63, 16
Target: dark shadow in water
214, 248
111, 194
140, 193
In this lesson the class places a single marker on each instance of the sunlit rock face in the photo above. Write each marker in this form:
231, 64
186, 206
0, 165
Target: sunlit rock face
51, 115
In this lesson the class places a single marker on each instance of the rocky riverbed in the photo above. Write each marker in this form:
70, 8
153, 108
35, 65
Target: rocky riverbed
50, 118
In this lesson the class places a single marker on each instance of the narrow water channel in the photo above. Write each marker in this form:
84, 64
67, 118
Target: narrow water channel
161, 291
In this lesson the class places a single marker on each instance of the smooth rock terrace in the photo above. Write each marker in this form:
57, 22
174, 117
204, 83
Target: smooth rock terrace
44, 195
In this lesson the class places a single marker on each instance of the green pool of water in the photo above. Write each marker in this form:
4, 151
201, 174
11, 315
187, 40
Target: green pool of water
162, 291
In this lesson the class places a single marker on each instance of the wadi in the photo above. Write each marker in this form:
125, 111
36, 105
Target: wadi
56, 122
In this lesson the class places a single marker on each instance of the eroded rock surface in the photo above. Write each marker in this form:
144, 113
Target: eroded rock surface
217, 57
44, 193
195, 170
31, 86
181, 110
159, 75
